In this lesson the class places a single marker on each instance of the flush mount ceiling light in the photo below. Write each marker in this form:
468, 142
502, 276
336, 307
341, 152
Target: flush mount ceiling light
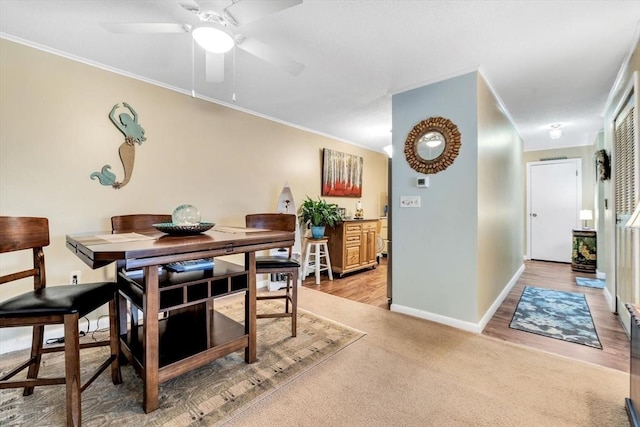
555, 131
213, 39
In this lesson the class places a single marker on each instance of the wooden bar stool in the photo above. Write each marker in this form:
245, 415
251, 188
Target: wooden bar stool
278, 265
53, 305
315, 250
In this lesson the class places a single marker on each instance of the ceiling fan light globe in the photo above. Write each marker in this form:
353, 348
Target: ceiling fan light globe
212, 39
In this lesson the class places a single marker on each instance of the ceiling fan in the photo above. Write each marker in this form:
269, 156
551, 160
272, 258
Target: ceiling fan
217, 32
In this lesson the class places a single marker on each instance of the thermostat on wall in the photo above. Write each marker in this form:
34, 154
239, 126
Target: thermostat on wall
422, 181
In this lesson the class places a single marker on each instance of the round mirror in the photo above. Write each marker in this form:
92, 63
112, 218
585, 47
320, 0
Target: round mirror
432, 145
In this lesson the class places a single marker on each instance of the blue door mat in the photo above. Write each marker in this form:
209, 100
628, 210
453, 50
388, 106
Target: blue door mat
590, 283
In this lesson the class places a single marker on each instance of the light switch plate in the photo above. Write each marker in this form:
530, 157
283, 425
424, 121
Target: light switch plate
410, 201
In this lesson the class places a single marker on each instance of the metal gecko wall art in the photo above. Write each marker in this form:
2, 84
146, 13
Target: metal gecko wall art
133, 134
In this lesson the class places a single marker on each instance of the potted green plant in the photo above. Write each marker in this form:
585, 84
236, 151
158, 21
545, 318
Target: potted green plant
317, 214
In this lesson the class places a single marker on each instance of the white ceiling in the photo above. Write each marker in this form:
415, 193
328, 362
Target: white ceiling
549, 61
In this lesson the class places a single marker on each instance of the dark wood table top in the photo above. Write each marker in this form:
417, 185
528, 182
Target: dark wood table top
98, 249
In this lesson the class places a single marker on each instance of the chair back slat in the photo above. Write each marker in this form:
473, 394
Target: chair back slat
22, 233
272, 221
17, 276
137, 222
19, 233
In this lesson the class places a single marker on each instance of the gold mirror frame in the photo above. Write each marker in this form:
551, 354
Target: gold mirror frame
452, 143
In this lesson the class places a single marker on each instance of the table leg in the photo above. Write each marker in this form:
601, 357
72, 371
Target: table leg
150, 341
250, 307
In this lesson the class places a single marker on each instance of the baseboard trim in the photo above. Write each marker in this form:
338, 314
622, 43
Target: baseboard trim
462, 324
610, 300
499, 300
438, 318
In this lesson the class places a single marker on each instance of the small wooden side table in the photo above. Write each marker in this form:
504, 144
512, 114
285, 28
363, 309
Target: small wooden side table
583, 256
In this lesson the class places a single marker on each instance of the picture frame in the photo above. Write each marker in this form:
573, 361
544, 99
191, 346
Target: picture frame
603, 165
341, 174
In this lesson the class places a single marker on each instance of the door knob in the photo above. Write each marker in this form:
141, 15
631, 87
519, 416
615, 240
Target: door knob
534, 215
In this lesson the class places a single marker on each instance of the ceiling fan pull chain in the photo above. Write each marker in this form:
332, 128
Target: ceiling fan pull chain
193, 66
233, 78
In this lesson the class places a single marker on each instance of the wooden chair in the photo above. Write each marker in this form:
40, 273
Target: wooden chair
137, 222
128, 224
278, 265
63, 305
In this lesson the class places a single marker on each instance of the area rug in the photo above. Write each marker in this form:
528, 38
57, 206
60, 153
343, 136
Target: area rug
590, 283
206, 396
556, 314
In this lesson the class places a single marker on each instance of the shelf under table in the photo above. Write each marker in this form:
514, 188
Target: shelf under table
184, 343
179, 290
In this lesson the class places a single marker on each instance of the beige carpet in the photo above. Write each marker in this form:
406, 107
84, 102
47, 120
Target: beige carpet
205, 396
411, 372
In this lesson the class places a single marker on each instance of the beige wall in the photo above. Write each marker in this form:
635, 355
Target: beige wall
500, 179
586, 153
55, 131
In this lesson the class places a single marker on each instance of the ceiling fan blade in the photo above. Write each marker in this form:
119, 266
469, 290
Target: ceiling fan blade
214, 66
145, 28
270, 55
190, 6
243, 12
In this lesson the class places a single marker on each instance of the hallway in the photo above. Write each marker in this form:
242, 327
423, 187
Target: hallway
558, 276
369, 287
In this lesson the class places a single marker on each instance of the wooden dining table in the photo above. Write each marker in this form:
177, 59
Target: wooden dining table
141, 259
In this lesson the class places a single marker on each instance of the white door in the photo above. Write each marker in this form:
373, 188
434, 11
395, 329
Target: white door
555, 193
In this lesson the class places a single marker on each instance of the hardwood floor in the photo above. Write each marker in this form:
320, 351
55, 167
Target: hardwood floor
370, 287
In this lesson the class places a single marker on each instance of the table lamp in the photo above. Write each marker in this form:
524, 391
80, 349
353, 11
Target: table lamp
585, 215
634, 221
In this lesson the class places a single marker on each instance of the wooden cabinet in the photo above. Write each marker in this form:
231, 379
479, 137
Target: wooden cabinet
384, 233
352, 245
583, 256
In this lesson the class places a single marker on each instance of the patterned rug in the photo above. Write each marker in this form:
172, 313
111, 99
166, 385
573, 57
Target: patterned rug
556, 314
590, 283
206, 396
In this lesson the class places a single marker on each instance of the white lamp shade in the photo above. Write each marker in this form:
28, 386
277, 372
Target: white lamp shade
634, 221
212, 39
586, 215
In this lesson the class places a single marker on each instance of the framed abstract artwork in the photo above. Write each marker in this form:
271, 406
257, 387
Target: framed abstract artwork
341, 174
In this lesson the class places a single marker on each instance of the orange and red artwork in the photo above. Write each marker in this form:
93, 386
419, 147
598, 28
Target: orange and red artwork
341, 174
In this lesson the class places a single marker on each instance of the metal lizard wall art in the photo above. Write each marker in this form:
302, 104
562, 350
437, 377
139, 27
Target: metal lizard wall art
133, 133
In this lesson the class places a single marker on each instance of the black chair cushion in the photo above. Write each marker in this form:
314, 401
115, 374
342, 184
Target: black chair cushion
275, 262
59, 300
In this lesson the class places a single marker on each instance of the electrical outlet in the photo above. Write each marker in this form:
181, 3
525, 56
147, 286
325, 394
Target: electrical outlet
74, 277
